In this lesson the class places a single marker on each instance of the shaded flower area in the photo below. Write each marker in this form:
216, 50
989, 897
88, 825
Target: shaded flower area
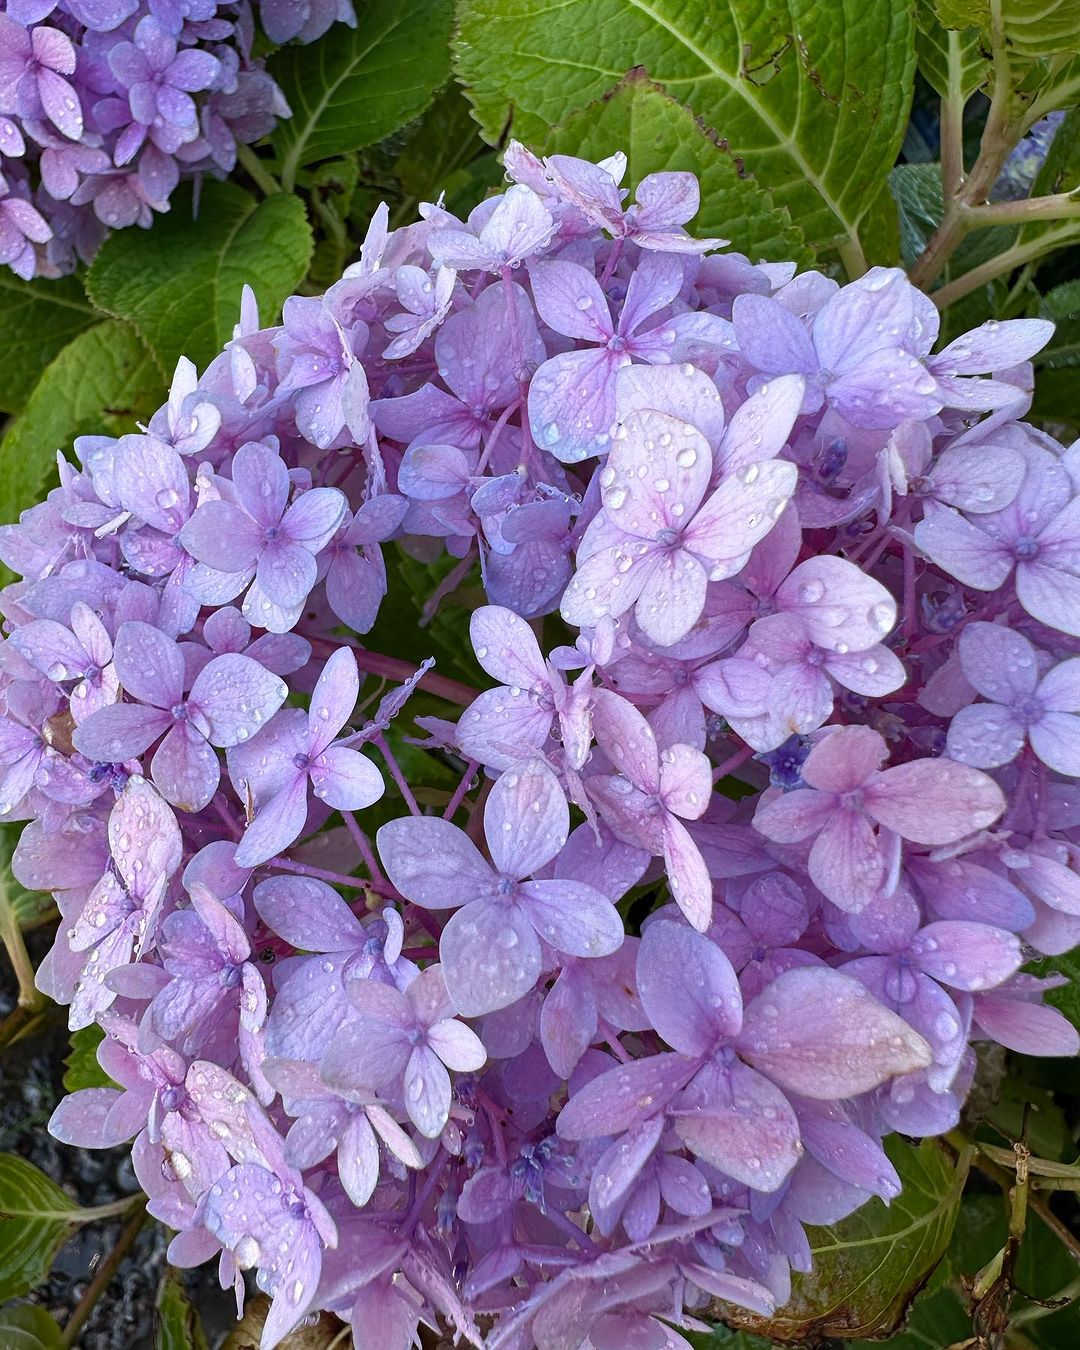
554, 1018
105, 105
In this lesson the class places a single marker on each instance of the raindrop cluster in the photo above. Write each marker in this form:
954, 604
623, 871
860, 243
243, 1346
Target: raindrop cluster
549, 1008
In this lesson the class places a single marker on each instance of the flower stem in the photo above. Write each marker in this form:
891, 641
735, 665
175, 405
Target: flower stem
257, 171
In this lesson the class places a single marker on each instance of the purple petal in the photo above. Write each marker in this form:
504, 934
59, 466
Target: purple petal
526, 819
307, 914
934, 801
433, 863
185, 768
688, 988
149, 664
120, 732
572, 917
624, 1096
490, 957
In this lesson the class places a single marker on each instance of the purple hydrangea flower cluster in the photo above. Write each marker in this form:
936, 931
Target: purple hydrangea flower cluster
106, 104
751, 837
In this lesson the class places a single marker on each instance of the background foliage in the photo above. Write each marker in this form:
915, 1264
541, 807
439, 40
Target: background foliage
836, 134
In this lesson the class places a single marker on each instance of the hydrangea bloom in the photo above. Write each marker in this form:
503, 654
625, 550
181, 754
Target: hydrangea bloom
106, 104
556, 1026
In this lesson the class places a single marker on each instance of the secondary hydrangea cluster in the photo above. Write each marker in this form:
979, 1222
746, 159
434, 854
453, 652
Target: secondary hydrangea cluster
551, 1016
106, 104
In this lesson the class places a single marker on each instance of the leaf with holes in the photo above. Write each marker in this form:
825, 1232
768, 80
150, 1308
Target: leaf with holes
812, 97
869, 1267
180, 282
353, 88
38, 318
657, 133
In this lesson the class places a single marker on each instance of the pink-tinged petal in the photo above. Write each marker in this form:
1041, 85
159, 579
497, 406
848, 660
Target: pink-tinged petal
846, 862
358, 1160
627, 739
503, 726
656, 474
685, 392
394, 1137
61, 103
934, 801
608, 582
1059, 689
792, 816
568, 1020
568, 298
688, 988
1050, 595
843, 609
286, 573
120, 732
506, 647
747, 1128
691, 885
572, 403
82, 1120
993, 346
345, 779
458, 1046
771, 337
847, 1152
618, 1171
970, 956
997, 662
962, 549
314, 516
977, 478
237, 697
526, 819
875, 672
672, 598
884, 389
490, 957
685, 781
760, 427
433, 863
278, 823
51, 649
333, 698
819, 1033
737, 1289
958, 889
149, 664
1055, 738
735, 687
572, 917
845, 759
800, 700
625, 1096
1027, 1028
985, 735
185, 768
222, 536
308, 914
741, 511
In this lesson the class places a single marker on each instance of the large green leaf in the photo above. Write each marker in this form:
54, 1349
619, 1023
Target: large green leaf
101, 382
352, 88
1067, 998
35, 1218
658, 133
951, 62
445, 155
813, 97
178, 1325
868, 1267
180, 282
38, 319
25, 1326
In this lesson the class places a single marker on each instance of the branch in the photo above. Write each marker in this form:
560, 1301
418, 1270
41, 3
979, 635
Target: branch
1013, 257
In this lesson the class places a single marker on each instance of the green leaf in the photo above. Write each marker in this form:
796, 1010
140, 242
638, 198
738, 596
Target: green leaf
103, 381
178, 1325
35, 1218
657, 133
1067, 998
1035, 28
25, 1326
180, 282
354, 87
812, 97
917, 191
444, 154
38, 319
82, 1069
868, 1267
951, 61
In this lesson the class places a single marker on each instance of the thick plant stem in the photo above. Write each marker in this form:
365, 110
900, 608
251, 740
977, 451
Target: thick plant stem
952, 125
257, 171
1000, 135
1017, 256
